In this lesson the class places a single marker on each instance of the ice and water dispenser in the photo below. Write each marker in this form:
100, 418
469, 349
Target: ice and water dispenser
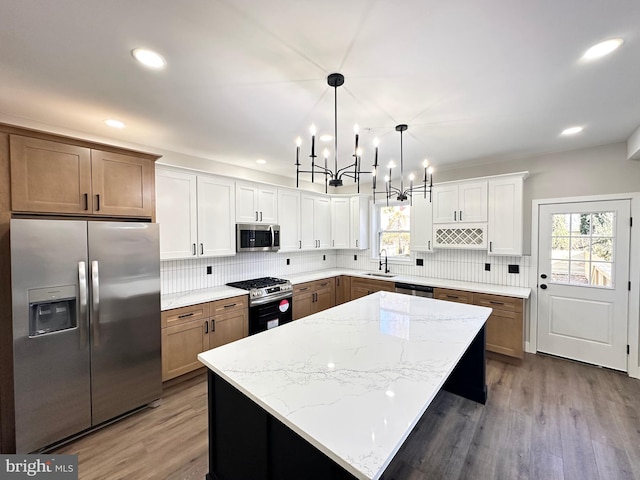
52, 309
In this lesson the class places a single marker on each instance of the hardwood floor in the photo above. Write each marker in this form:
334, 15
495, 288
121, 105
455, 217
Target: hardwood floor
546, 419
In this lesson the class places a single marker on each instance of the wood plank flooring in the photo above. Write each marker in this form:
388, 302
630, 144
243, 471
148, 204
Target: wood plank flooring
545, 419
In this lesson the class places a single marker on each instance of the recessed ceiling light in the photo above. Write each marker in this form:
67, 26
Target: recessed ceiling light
261, 161
603, 48
571, 130
114, 123
326, 138
149, 58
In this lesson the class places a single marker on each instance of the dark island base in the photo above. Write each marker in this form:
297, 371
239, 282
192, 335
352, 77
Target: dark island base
247, 443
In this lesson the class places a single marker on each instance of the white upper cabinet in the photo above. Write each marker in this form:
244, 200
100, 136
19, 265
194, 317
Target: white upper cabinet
256, 203
505, 215
195, 214
340, 222
421, 224
315, 221
460, 202
216, 226
359, 224
289, 220
176, 213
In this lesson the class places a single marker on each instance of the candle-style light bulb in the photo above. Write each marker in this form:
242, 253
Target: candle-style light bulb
359, 152
376, 142
391, 164
386, 178
313, 130
325, 153
313, 143
298, 142
425, 164
411, 176
356, 129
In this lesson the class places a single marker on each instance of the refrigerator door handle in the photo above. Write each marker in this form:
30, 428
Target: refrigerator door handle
95, 303
82, 287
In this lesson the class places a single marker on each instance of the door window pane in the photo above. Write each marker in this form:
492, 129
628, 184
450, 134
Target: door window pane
582, 248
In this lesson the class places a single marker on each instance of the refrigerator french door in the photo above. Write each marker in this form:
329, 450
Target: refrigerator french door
86, 325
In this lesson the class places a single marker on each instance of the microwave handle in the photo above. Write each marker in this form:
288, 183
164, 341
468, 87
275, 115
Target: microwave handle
273, 236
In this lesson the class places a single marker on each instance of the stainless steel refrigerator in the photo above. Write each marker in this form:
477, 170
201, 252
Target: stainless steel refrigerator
86, 325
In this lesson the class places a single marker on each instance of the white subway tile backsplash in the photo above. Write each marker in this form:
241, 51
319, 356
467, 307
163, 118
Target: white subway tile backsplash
465, 265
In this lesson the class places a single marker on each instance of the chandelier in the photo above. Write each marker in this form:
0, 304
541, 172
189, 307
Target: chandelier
332, 176
400, 193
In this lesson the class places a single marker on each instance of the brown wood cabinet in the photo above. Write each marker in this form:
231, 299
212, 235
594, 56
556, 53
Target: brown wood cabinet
366, 286
505, 326
313, 297
59, 178
188, 331
343, 289
450, 295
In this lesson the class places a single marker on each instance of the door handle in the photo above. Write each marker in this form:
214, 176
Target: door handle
194, 249
202, 249
455, 217
213, 326
544, 275
356, 243
260, 216
82, 290
429, 245
543, 286
300, 244
98, 200
490, 246
86, 201
206, 326
95, 303
256, 216
460, 215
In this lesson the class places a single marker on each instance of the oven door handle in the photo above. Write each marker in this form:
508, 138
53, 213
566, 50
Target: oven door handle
274, 298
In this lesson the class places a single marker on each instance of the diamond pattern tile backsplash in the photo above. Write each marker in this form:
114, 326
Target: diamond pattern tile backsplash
465, 265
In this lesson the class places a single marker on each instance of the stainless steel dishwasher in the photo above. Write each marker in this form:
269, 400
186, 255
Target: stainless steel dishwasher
415, 290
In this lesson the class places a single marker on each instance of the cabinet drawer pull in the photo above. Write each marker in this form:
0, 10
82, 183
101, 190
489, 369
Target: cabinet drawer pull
186, 315
256, 216
213, 326
460, 215
452, 296
496, 303
230, 305
455, 216
86, 201
206, 326
193, 248
260, 216
98, 200
303, 289
202, 249
324, 284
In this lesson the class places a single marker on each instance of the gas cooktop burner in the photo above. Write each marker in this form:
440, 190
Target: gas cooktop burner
266, 289
258, 283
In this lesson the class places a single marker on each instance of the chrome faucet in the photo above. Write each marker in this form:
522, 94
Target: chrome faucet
386, 268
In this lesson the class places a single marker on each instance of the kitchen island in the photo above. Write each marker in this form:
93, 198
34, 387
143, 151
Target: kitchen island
334, 395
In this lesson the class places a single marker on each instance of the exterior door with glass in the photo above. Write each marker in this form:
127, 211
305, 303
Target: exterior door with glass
583, 278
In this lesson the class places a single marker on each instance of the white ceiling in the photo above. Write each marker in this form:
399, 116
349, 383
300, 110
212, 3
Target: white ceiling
474, 80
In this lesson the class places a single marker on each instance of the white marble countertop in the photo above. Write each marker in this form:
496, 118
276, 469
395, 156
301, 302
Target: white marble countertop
355, 379
193, 297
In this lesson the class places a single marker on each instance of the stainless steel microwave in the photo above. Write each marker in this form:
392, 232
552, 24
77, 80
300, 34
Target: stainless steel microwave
257, 237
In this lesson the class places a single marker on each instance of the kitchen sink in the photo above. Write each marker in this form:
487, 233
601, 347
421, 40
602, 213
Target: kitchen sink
385, 275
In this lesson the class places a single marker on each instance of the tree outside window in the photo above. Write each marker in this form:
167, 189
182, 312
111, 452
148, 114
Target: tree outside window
395, 230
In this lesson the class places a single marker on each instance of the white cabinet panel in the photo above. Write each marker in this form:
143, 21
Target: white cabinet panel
216, 226
289, 220
421, 224
307, 222
195, 213
322, 224
256, 204
176, 203
460, 202
359, 212
340, 222
505, 216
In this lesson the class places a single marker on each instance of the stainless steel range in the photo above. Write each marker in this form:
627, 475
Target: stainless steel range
270, 302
